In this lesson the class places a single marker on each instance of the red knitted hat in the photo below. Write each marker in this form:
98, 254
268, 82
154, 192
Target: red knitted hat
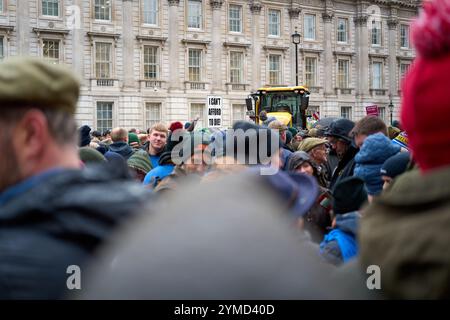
426, 88
175, 125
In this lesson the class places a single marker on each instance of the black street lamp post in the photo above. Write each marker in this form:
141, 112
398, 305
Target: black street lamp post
296, 40
391, 109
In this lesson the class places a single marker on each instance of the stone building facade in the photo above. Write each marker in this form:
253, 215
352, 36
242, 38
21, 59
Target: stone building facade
143, 61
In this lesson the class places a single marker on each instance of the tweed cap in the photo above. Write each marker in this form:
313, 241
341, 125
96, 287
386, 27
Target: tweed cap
310, 143
37, 83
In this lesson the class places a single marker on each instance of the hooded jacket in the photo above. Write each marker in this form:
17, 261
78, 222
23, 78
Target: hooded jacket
406, 233
60, 222
340, 244
376, 149
121, 148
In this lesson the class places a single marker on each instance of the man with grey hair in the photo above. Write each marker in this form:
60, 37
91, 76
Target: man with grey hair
52, 217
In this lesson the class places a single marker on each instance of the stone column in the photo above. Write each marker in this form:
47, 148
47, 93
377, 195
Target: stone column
294, 13
128, 44
362, 56
328, 53
173, 45
216, 44
255, 8
23, 28
392, 60
75, 25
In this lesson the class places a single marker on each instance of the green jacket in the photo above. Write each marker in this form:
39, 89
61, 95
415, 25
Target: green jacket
406, 232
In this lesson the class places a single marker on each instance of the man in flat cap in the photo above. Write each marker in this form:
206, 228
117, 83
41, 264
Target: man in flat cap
53, 215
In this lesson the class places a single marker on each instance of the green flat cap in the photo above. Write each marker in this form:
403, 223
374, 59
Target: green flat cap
309, 143
37, 83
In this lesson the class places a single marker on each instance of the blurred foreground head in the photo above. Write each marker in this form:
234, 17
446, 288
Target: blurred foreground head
203, 244
37, 104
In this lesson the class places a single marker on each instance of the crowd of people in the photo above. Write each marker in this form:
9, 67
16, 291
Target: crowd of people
255, 211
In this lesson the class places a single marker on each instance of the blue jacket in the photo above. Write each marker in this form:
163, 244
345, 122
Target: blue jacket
154, 176
340, 244
376, 149
121, 148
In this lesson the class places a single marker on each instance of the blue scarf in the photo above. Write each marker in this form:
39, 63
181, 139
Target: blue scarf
346, 242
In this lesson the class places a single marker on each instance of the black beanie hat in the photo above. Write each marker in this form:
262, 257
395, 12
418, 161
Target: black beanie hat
349, 195
395, 165
85, 138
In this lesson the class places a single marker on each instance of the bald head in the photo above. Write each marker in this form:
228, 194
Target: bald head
119, 134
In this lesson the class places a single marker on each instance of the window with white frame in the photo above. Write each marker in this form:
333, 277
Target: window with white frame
1, 5
376, 33
152, 113
104, 115
49, 7
342, 30
102, 10
50, 50
150, 12
382, 113
310, 71
198, 110
346, 112
343, 74
195, 65
377, 75
310, 26
274, 69
274, 22
236, 67
2, 48
151, 62
404, 36
404, 67
238, 112
103, 60
195, 15
235, 18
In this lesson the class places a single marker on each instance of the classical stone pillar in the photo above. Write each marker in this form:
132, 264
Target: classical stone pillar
173, 45
76, 28
128, 44
255, 8
362, 55
23, 28
216, 44
328, 53
294, 13
392, 60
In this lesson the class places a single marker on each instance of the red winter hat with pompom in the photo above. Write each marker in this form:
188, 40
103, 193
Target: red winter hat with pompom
426, 88
175, 126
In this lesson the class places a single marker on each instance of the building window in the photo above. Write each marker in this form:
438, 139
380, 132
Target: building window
236, 67
103, 61
195, 14
275, 69
310, 27
152, 113
238, 112
382, 113
274, 23
49, 7
151, 65
404, 36
342, 30
313, 110
310, 71
346, 112
376, 33
343, 74
1, 5
235, 18
377, 75
102, 10
151, 12
195, 65
2, 48
50, 50
104, 116
198, 110
404, 67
